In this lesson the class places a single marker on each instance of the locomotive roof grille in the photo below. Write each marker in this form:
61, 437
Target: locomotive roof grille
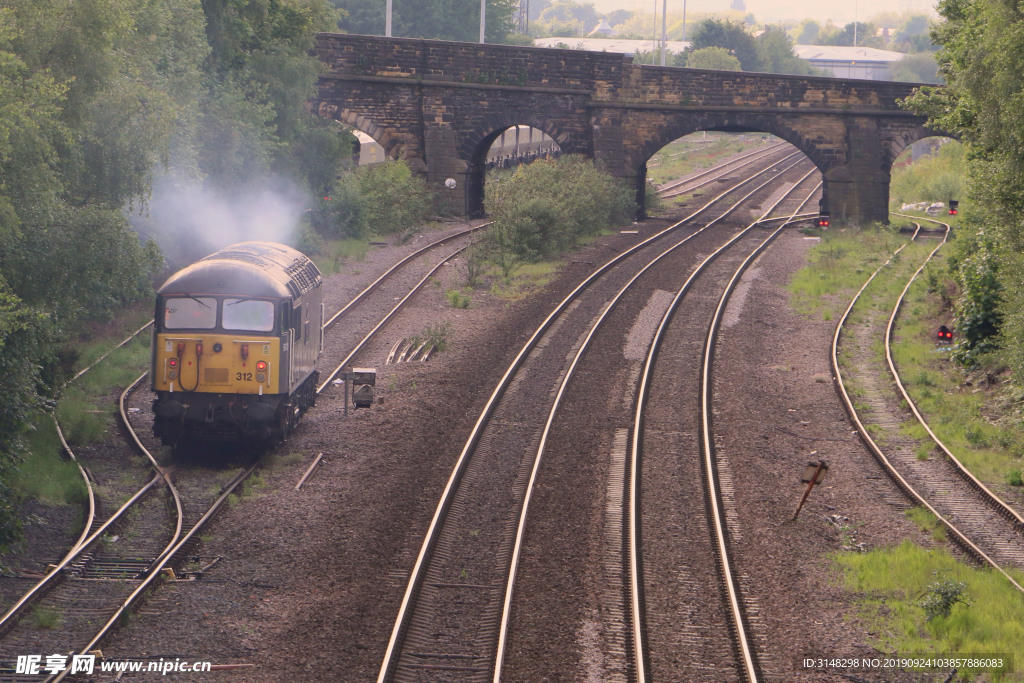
254, 268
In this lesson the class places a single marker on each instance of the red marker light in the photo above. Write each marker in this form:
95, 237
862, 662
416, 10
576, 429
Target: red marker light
172, 362
261, 365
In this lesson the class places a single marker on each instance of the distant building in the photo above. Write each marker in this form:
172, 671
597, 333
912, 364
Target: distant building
850, 62
596, 44
603, 30
738, 5
839, 61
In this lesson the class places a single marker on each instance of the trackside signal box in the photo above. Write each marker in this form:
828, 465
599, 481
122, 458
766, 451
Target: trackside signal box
954, 205
363, 381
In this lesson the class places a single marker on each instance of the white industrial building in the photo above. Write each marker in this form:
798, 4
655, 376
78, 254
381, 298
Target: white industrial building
841, 62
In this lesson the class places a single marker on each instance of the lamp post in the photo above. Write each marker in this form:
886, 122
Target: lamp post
387, 20
483, 17
664, 34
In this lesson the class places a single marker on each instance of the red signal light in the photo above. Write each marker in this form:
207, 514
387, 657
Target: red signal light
952, 212
945, 334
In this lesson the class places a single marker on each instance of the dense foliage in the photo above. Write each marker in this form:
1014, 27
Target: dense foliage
100, 99
383, 199
936, 177
981, 57
546, 207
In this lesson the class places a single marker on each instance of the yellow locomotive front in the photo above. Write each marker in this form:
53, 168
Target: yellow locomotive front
236, 342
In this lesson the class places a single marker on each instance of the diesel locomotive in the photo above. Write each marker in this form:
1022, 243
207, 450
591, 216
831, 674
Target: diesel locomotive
236, 342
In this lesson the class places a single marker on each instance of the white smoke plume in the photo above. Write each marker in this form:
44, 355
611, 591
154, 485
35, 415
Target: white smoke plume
189, 221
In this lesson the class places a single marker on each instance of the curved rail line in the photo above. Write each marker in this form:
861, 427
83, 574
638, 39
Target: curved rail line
750, 664
998, 504
392, 269
635, 579
419, 569
57, 572
521, 529
155, 573
756, 155
385, 319
961, 539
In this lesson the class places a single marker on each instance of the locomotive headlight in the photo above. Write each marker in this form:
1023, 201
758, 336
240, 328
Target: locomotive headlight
173, 374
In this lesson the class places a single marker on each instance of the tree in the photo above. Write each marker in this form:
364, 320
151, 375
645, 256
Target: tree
731, 36
807, 32
982, 48
775, 49
919, 68
713, 58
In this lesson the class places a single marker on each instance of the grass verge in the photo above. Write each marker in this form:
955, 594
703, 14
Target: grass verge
894, 586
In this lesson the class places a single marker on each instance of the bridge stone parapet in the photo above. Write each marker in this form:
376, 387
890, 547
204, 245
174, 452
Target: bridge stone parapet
439, 105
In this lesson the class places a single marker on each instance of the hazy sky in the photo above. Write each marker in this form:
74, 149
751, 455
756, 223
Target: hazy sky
839, 11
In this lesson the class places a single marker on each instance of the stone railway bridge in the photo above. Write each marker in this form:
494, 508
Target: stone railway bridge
439, 105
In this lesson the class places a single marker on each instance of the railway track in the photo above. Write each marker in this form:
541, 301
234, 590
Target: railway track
696, 181
613, 642
975, 519
107, 573
450, 617
118, 568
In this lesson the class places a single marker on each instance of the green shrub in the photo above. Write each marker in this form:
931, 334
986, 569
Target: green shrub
941, 597
934, 178
382, 199
545, 208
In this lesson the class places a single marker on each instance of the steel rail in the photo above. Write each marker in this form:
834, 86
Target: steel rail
999, 504
99, 360
563, 384
634, 494
386, 318
877, 452
160, 471
674, 191
759, 153
750, 665
6, 621
156, 572
433, 530
401, 263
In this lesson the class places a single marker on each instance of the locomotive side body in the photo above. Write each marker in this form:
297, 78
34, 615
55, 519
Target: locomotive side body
236, 343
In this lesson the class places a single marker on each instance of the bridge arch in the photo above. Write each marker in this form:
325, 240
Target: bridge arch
436, 101
393, 148
473, 148
731, 122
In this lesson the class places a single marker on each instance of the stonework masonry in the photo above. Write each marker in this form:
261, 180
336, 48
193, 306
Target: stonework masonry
439, 105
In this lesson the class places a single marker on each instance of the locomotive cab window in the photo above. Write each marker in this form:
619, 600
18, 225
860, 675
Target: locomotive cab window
190, 313
248, 315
